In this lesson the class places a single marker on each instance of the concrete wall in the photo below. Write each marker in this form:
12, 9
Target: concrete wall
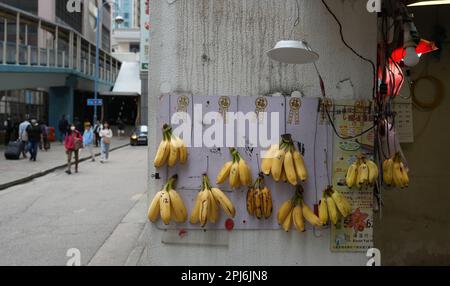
414, 229
218, 48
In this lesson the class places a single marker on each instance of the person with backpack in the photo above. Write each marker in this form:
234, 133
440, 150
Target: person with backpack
44, 144
23, 136
97, 127
73, 142
105, 135
34, 137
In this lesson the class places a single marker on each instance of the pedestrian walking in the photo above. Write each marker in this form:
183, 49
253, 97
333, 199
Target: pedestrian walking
72, 143
105, 135
120, 127
44, 144
97, 127
8, 125
23, 136
63, 126
34, 137
88, 139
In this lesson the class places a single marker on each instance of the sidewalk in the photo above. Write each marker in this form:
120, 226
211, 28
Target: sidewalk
21, 171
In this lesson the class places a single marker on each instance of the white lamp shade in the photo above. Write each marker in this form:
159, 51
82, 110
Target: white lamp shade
293, 52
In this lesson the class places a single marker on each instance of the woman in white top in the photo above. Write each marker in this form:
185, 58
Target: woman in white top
105, 135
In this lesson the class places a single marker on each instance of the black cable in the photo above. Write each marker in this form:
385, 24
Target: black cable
374, 70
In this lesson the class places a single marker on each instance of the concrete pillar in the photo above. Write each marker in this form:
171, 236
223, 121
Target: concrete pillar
60, 101
144, 99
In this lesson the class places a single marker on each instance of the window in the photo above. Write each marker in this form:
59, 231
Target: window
74, 20
25, 5
134, 47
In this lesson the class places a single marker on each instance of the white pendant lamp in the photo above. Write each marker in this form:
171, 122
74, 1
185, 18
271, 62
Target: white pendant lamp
293, 52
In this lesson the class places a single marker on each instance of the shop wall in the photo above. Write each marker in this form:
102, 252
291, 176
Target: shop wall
414, 228
218, 48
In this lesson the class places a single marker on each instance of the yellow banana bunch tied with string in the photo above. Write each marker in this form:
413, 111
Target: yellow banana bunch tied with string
237, 171
295, 212
168, 205
259, 199
395, 173
332, 206
362, 173
206, 207
285, 162
171, 150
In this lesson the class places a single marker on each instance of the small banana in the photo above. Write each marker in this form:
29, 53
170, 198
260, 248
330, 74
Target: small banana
182, 149
283, 177
284, 211
224, 202
251, 201
195, 214
178, 207
204, 205
342, 204
154, 209
258, 203
266, 163
351, 176
287, 222
173, 154
405, 176
164, 205
373, 171
309, 215
388, 174
245, 176
397, 175
162, 154
213, 209
297, 217
224, 173
234, 175
323, 211
332, 210
290, 168
277, 164
363, 174
300, 168
267, 202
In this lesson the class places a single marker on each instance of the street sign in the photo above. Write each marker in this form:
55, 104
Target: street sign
95, 102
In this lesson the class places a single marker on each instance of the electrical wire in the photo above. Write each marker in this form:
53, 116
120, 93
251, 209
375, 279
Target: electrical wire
372, 64
439, 97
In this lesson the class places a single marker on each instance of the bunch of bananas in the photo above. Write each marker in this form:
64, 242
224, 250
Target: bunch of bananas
259, 199
207, 204
296, 211
168, 204
333, 205
362, 173
395, 173
171, 149
284, 162
237, 170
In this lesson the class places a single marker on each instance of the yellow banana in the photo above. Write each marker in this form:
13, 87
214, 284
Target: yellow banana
277, 164
300, 168
323, 211
204, 205
363, 174
224, 202
309, 215
244, 174
173, 154
213, 209
388, 168
297, 217
153, 210
405, 176
224, 173
267, 202
258, 204
287, 222
162, 154
195, 214
284, 211
164, 206
180, 211
373, 171
290, 169
350, 178
234, 175
283, 177
342, 204
251, 201
332, 211
182, 149
266, 163
397, 176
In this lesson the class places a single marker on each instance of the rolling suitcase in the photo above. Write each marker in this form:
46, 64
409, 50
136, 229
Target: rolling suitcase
13, 150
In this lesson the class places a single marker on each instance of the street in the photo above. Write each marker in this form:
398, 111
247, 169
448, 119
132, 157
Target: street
41, 220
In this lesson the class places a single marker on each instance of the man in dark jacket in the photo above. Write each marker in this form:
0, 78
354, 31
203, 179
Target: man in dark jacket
34, 137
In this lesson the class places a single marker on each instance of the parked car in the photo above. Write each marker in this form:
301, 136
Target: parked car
139, 136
